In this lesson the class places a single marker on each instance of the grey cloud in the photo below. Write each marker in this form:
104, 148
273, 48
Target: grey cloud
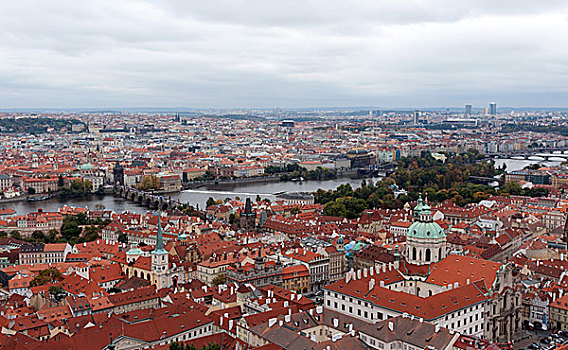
281, 53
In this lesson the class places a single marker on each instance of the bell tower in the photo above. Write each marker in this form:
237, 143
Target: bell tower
160, 261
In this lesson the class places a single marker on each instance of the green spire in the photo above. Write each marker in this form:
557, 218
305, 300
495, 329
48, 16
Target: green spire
159, 240
426, 207
418, 207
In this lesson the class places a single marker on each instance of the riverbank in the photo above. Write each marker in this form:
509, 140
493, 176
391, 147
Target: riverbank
15, 199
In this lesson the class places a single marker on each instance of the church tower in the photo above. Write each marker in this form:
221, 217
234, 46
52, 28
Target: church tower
425, 239
160, 261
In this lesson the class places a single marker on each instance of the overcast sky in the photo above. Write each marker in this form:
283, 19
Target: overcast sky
272, 53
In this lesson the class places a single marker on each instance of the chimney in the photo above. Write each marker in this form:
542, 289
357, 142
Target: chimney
456, 285
371, 284
391, 326
358, 274
287, 318
365, 272
437, 328
372, 270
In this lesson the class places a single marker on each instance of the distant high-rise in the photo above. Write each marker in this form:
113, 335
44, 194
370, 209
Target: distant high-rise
493, 108
416, 117
468, 109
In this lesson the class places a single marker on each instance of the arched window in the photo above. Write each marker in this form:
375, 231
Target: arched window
420, 255
135, 273
414, 253
428, 254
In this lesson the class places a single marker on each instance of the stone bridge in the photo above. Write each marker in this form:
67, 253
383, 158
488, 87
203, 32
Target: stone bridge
147, 199
527, 154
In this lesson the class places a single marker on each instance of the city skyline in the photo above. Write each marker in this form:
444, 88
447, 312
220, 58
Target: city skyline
287, 55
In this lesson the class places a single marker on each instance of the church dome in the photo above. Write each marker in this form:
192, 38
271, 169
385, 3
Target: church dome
87, 166
425, 230
135, 251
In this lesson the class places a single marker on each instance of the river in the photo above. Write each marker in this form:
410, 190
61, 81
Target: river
196, 197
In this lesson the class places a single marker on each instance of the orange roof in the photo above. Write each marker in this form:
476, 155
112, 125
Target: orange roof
455, 268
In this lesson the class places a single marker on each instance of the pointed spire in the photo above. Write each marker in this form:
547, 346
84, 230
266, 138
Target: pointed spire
159, 239
418, 207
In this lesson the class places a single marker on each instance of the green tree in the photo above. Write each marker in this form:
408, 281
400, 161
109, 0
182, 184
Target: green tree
335, 208
87, 186
123, 238
512, 188
210, 202
234, 219
149, 182
70, 228
90, 233
51, 236
60, 181
16, 235
31, 190
46, 276
219, 279
177, 346
57, 293
38, 235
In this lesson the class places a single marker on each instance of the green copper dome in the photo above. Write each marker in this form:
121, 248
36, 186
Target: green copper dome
135, 251
421, 230
87, 166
